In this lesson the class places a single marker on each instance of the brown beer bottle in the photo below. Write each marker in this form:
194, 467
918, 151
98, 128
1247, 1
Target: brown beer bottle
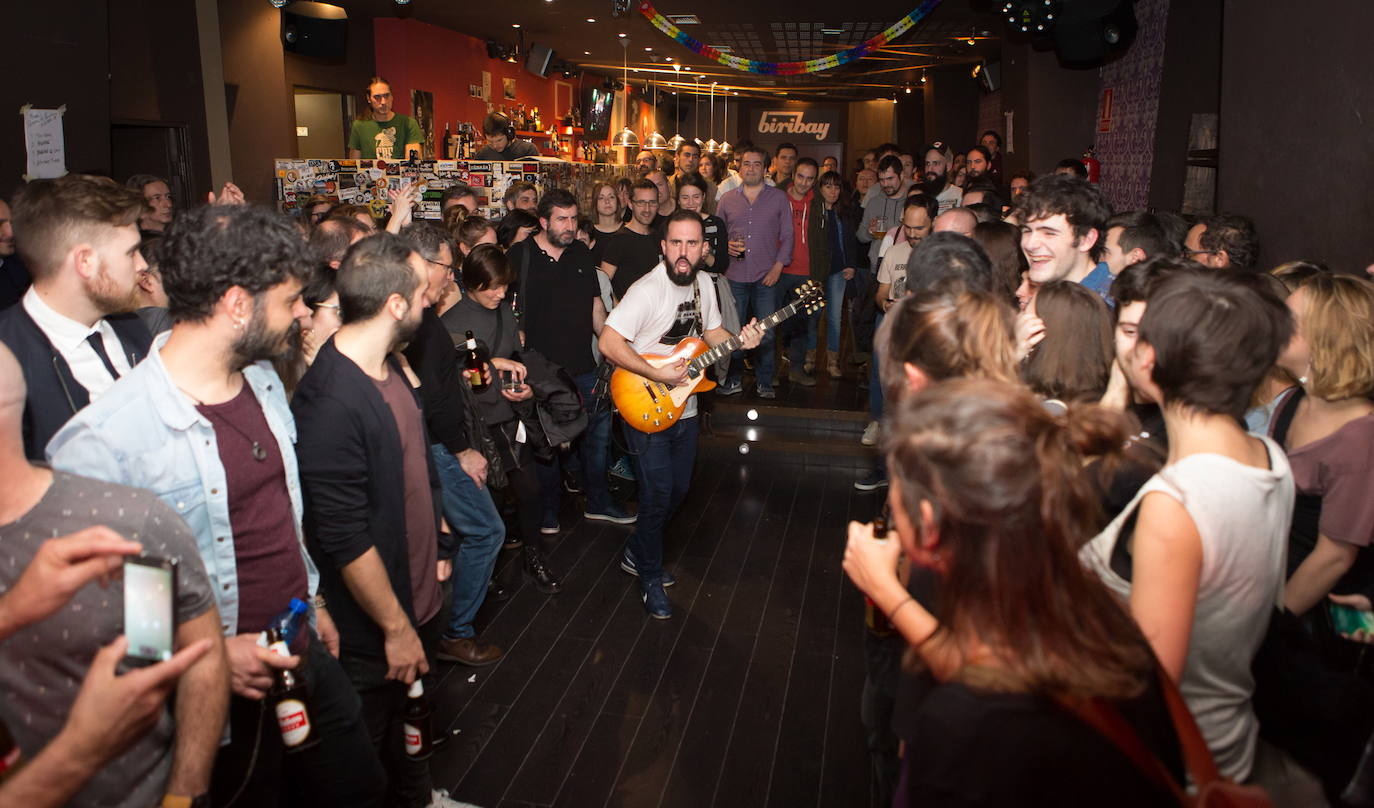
418, 729
874, 619
472, 366
290, 701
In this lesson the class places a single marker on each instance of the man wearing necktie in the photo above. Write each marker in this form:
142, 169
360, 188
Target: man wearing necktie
74, 331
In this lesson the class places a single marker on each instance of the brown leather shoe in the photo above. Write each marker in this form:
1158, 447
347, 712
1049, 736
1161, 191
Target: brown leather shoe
468, 651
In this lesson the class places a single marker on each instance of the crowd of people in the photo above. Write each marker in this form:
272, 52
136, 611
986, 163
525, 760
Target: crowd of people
1122, 464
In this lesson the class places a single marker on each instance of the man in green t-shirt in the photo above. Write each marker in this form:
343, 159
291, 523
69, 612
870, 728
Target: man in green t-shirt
380, 135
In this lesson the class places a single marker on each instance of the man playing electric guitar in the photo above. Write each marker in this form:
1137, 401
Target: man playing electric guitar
660, 309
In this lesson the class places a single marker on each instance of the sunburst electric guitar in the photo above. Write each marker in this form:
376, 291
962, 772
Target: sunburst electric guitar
651, 406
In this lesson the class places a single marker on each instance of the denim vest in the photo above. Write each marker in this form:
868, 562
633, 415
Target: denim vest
146, 433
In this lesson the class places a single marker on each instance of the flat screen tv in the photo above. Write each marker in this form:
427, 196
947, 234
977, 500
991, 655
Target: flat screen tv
596, 121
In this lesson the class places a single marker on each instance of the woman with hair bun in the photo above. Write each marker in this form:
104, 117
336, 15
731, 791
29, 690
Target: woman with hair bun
987, 496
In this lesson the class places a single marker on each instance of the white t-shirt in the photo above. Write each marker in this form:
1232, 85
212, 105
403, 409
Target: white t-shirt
892, 270
1242, 514
655, 314
950, 198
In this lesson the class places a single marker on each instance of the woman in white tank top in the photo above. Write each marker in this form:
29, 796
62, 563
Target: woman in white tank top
1199, 553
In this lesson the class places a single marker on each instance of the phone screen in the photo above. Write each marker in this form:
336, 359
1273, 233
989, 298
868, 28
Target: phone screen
149, 593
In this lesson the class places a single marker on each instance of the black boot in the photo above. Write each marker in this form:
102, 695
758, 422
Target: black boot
538, 569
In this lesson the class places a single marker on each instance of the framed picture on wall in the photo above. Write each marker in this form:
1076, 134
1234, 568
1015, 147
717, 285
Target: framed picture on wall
508, 88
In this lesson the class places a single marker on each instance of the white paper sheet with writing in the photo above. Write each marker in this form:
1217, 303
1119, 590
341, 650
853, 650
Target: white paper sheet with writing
43, 139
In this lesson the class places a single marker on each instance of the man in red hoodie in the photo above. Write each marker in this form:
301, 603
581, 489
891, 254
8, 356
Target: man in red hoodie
810, 258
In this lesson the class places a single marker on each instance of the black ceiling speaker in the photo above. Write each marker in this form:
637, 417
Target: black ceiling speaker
315, 29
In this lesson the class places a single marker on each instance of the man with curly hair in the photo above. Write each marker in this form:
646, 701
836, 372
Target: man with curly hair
1223, 241
75, 331
204, 424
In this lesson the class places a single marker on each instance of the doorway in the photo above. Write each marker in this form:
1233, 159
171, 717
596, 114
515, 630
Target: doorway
161, 149
321, 123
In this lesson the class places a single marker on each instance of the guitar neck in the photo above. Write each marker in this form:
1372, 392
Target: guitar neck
734, 343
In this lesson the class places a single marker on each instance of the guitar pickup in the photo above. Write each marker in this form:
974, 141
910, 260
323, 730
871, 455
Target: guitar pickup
650, 389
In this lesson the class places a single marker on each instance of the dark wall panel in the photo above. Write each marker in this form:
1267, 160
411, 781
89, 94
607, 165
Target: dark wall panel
57, 53
1297, 128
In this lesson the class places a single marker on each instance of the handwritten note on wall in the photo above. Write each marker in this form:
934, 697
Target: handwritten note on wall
43, 138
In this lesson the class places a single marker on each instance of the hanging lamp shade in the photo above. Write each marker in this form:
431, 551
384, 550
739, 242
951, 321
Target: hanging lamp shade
655, 141
711, 146
726, 149
675, 141
626, 139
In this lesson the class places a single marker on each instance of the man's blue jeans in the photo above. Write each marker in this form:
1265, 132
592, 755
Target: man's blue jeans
472, 516
754, 300
663, 467
590, 450
875, 382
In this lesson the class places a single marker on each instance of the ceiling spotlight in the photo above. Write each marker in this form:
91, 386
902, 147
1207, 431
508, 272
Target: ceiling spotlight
278, 3
591, 19
1026, 16
647, 49
622, 36
515, 25
908, 89
586, 53
923, 77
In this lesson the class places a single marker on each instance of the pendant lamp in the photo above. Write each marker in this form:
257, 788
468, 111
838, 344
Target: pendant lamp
711, 146
626, 138
725, 148
655, 141
678, 139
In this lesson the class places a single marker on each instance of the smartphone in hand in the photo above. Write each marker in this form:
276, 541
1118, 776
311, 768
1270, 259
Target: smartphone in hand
150, 588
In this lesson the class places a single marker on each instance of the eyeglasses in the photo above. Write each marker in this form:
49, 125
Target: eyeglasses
334, 306
447, 267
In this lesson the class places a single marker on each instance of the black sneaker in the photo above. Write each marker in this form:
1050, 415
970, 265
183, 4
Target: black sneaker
656, 601
872, 481
627, 563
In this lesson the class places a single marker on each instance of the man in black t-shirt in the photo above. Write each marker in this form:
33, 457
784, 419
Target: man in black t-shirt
636, 247
556, 272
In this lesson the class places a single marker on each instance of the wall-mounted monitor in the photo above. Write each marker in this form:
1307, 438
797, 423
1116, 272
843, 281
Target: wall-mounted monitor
596, 122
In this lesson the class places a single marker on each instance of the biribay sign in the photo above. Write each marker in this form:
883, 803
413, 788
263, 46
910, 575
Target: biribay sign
813, 125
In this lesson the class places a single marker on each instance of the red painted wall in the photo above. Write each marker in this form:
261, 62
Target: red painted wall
414, 55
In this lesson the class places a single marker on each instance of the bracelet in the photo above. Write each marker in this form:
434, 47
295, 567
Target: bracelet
319, 601
893, 613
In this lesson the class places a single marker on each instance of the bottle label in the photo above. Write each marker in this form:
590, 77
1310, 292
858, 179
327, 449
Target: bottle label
12, 757
279, 648
415, 740
294, 722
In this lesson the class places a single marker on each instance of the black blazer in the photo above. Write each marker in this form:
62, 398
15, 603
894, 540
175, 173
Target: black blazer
54, 393
14, 280
349, 453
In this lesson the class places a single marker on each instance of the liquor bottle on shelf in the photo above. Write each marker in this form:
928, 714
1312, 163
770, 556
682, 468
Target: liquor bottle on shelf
446, 145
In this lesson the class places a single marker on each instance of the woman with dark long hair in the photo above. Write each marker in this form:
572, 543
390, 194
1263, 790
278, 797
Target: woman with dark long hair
485, 312
987, 496
1002, 241
842, 221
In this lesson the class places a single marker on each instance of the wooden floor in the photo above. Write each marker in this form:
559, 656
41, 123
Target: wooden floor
749, 696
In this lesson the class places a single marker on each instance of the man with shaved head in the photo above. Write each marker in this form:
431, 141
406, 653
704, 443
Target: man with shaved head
75, 331
956, 220
36, 504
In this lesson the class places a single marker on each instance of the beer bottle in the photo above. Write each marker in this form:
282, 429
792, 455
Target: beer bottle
9, 752
418, 730
472, 368
290, 701
874, 619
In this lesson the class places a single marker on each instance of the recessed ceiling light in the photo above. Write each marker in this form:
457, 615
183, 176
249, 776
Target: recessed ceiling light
591, 19
586, 53
667, 58
648, 49
686, 68
515, 25
622, 36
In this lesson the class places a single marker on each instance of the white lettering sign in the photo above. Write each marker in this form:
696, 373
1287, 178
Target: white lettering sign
791, 122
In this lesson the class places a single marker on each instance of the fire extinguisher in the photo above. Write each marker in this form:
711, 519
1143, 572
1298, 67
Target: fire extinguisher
1091, 163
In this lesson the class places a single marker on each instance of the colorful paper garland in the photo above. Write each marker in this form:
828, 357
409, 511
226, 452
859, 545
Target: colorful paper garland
816, 65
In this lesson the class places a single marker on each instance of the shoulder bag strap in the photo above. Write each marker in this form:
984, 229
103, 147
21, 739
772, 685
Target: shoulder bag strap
1108, 722
1283, 419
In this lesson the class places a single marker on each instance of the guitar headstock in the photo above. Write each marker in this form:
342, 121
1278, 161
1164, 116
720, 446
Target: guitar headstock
810, 297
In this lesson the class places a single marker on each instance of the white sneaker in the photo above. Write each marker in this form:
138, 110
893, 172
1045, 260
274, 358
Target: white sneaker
441, 799
870, 437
